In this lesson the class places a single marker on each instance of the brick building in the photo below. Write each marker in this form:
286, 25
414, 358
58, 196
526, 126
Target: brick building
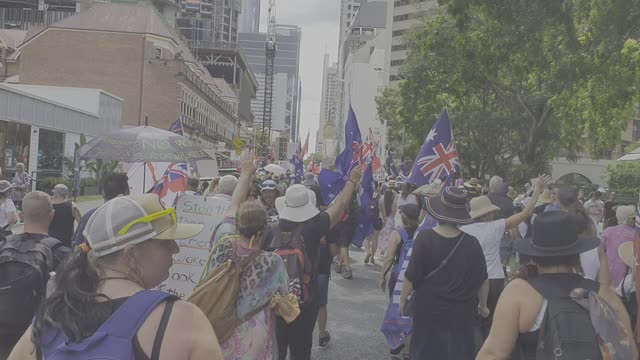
131, 51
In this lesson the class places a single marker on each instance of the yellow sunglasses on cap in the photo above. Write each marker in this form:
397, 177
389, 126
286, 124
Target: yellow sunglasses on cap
149, 218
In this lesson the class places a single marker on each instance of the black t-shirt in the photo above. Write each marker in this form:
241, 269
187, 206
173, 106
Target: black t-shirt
448, 299
61, 226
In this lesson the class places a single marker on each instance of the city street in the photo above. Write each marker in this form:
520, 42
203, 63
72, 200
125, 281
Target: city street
356, 309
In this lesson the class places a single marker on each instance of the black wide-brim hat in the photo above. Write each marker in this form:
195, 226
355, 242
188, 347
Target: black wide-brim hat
450, 206
555, 233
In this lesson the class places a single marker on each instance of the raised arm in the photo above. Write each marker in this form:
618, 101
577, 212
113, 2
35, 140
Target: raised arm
515, 220
247, 169
340, 204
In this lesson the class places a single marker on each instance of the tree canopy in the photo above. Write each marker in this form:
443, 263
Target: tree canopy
524, 81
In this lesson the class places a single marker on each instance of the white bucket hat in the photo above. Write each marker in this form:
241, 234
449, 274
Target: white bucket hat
297, 205
481, 206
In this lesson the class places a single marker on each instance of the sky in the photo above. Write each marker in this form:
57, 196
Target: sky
320, 23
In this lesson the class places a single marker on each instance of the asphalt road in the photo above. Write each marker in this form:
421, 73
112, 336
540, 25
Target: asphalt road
356, 310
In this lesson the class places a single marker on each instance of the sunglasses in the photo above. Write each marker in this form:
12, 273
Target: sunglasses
149, 218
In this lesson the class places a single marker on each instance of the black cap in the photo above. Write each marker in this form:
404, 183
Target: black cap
411, 211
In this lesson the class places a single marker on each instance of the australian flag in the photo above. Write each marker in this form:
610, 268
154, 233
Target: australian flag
298, 167
438, 157
332, 182
364, 223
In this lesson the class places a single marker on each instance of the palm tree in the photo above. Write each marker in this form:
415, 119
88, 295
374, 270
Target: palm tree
101, 169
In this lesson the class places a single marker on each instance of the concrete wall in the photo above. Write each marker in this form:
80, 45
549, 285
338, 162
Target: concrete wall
594, 170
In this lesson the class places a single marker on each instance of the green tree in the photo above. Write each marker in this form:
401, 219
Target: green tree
101, 169
624, 176
524, 81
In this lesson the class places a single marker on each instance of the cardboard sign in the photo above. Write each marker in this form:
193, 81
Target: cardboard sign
189, 263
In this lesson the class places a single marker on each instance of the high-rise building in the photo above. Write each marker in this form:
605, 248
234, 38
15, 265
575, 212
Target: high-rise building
209, 23
249, 17
406, 15
365, 73
287, 84
329, 108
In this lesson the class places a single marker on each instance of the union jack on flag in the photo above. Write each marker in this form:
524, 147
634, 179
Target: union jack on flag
369, 154
174, 179
438, 157
177, 128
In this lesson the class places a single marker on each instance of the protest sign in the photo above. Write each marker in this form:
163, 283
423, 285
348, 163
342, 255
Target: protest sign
189, 263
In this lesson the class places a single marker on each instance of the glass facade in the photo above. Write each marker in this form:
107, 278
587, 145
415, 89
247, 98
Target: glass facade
50, 152
15, 140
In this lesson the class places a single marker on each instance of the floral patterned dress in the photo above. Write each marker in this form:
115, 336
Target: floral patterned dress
260, 281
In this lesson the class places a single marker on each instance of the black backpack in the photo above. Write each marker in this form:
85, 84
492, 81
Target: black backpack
24, 271
291, 248
566, 332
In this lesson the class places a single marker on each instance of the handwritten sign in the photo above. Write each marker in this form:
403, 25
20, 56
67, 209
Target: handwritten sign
189, 263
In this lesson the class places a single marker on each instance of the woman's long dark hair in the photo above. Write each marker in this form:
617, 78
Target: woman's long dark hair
74, 297
568, 199
388, 201
405, 190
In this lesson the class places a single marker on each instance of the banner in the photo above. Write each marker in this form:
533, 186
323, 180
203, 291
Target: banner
189, 263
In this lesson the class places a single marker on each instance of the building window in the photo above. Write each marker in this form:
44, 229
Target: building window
398, 33
401, 3
349, 7
401, 17
348, 23
397, 62
18, 140
50, 151
398, 47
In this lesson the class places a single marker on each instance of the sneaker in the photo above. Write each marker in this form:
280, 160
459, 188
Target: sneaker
338, 267
323, 342
373, 261
366, 259
347, 274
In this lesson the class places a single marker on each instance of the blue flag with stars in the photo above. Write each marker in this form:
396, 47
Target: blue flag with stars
438, 157
298, 167
364, 223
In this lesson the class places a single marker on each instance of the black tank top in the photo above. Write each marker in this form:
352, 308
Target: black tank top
61, 226
103, 310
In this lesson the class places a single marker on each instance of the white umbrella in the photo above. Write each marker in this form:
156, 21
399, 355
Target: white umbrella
633, 155
276, 169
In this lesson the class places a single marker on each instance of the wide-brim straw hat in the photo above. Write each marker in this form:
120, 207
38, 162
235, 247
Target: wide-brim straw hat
472, 183
429, 189
481, 206
450, 206
555, 233
297, 205
627, 255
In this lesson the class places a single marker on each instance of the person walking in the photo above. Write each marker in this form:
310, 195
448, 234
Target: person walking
595, 208
21, 288
263, 280
113, 185
268, 194
409, 213
21, 184
300, 219
102, 305
489, 233
520, 315
8, 211
371, 241
405, 197
614, 236
594, 262
446, 270
66, 212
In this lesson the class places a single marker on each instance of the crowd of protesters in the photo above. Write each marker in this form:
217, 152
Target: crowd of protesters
480, 283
